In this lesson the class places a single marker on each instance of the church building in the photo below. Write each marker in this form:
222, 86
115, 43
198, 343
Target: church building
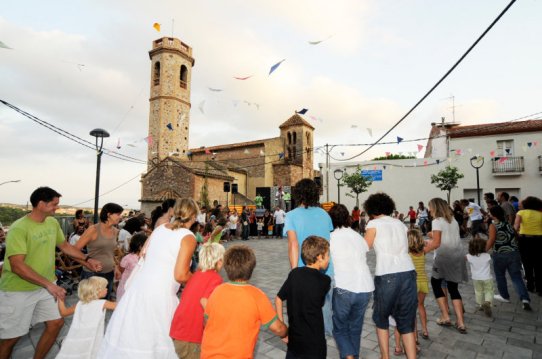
232, 174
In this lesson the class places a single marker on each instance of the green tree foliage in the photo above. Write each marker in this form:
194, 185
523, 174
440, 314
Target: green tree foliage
8, 215
393, 157
357, 184
447, 179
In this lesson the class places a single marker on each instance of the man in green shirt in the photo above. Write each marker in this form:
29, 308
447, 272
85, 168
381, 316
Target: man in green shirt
27, 287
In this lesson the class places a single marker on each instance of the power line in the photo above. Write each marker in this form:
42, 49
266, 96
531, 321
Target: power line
111, 190
439, 81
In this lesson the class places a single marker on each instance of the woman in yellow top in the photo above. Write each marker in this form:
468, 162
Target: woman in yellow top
529, 226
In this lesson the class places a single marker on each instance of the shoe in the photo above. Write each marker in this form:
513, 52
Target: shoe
487, 309
425, 336
461, 329
398, 352
444, 323
500, 298
526, 305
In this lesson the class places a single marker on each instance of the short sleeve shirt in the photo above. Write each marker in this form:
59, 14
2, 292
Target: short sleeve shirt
37, 242
235, 313
473, 210
311, 221
187, 324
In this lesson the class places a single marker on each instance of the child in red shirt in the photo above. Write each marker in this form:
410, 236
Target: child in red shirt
187, 325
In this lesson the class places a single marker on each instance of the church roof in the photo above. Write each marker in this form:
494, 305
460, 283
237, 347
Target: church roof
487, 129
231, 145
295, 120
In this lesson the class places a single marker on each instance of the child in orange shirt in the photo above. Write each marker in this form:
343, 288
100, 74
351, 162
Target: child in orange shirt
231, 331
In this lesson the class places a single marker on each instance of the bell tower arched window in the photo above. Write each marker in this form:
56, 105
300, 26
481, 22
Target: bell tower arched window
183, 76
156, 75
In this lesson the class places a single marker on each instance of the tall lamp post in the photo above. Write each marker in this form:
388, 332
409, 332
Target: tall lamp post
100, 134
12, 181
338, 174
477, 162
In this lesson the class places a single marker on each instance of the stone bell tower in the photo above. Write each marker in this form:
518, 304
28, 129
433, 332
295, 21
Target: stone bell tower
169, 114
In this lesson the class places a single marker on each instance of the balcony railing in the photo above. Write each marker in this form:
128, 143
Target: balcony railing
508, 165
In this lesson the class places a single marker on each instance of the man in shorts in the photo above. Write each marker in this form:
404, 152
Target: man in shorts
27, 287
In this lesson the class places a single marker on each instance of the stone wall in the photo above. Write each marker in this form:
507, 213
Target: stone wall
215, 188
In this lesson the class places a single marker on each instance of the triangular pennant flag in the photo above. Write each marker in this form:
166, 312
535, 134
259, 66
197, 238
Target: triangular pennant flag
207, 151
148, 139
156, 26
374, 167
492, 153
425, 163
246, 151
438, 161
384, 166
262, 153
529, 144
370, 130
275, 66
507, 150
131, 145
118, 144
281, 155
399, 139
302, 112
458, 152
4, 46
169, 126
420, 147
502, 160
342, 154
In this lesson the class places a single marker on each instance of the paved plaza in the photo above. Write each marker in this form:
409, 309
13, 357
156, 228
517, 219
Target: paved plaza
510, 333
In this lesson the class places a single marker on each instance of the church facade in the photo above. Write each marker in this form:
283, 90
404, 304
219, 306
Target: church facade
231, 173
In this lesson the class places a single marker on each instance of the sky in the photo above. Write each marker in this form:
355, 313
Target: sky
81, 65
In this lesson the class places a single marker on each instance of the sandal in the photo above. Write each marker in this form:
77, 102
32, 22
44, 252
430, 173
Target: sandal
461, 329
398, 352
444, 323
425, 336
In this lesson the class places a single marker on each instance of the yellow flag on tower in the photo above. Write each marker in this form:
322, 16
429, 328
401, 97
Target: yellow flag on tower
156, 26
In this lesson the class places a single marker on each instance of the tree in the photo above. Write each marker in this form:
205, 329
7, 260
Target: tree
447, 179
357, 184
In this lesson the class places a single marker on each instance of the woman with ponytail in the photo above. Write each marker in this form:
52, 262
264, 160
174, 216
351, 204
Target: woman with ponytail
162, 214
140, 326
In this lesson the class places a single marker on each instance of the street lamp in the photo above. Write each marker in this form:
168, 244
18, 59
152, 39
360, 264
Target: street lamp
100, 134
338, 174
477, 162
12, 181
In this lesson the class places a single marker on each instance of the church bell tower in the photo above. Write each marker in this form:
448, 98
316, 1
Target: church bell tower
169, 113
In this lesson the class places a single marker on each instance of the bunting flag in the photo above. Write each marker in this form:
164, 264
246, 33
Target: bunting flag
207, 151
502, 160
319, 41
425, 163
215, 89
169, 126
438, 161
388, 154
316, 119
131, 145
4, 46
246, 151
370, 132
156, 26
529, 144
242, 78
420, 148
201, 107
384, 166
374, 167
507, 150
275, 66
148, 139
535, 143
281, 155
399, 139
262, 153
458, 152
118, 144
492, 153
302, 112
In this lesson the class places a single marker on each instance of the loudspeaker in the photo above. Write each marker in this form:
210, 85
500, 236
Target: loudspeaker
226, 186
234, 188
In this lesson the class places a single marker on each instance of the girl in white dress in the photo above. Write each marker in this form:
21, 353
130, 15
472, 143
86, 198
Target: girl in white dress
87, 328
139, 328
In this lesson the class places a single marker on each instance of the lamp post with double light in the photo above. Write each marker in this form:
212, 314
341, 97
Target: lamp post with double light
100, 134
338, 174
477, 162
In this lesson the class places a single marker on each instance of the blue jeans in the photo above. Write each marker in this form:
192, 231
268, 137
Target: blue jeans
348, 313
327, 310
511, 262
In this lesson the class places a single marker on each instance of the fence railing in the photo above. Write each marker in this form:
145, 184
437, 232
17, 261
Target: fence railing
508, 164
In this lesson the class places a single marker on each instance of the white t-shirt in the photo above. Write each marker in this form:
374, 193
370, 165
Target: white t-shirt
422, 213
201, 218
480, 266
473, 210
124, 239
233, 221
74, 239
348, 254
279, 216
449, 237
391, 246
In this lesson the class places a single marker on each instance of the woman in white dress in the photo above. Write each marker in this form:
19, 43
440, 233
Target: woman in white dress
139, 327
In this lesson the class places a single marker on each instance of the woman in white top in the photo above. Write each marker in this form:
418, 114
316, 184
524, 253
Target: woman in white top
395, 293
139, 327
353, 282
449, 263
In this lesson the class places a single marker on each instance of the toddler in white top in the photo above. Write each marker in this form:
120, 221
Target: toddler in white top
480, 263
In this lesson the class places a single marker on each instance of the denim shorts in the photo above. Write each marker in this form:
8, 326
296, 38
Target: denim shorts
396, 295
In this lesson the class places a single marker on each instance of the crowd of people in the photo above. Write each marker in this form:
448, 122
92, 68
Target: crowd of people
139, 267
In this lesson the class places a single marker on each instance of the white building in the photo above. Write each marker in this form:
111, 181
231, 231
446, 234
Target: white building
510, 152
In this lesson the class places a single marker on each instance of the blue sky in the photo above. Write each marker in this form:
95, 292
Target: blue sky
382, 56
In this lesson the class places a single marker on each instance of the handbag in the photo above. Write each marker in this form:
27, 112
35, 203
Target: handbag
138, 266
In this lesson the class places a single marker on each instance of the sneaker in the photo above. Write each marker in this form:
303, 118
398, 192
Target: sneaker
487, 309
500, 298
526, 305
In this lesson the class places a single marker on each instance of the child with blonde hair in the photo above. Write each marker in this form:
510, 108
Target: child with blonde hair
87, 328
480, 263
187, 325
416, 246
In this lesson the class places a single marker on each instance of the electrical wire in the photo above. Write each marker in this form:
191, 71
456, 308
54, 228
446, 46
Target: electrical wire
111, 190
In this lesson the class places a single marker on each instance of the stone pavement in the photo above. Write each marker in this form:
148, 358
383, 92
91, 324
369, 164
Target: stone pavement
510, 333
